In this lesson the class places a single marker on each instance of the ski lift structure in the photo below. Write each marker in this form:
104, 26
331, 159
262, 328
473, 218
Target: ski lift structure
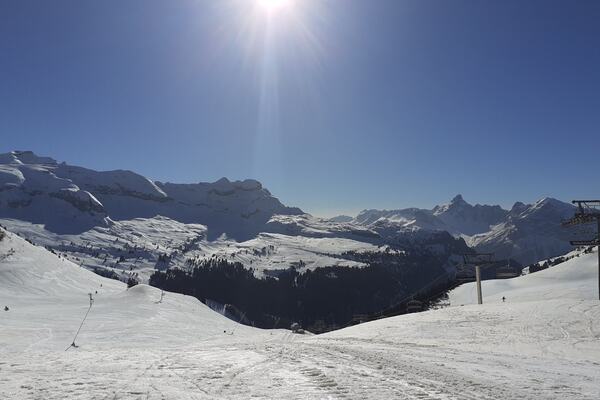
465, 275
587, 215
507, 271
478, 260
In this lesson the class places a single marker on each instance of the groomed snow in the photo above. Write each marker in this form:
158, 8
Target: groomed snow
575, 279
534, 346
48, 297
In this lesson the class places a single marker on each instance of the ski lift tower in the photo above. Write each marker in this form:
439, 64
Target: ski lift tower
588, 212
478, 260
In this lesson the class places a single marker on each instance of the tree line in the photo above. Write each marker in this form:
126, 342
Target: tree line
321, 299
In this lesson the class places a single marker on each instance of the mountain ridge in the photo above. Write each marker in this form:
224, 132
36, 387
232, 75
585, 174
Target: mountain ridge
526, 232
237, 208
80, 199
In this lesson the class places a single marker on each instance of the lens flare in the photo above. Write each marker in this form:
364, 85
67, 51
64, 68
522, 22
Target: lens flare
279, 48
272, 6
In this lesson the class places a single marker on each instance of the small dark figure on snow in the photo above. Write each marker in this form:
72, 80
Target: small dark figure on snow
503, 299
5, 308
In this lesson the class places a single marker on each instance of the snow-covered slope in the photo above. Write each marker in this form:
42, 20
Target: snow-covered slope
47, 297
270, 253
575, 279
543, 343
142, 245
307, 225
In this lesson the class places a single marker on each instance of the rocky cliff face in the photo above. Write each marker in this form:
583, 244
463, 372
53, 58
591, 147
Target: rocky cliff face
69, 198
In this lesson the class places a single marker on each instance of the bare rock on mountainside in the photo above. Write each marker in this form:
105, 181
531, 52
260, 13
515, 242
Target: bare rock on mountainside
527, 233
67, 199
79, 198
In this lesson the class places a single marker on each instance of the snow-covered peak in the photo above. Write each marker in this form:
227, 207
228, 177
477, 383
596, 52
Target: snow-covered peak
548, 208
552, 202
34, 185
24, 157
457, 199
457, 202
530, 233
526, 233
115, 182
464, 218
31, 190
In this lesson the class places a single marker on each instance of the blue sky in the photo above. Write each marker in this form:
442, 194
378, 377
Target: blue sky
335, 106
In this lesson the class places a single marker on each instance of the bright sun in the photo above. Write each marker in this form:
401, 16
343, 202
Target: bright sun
274, 5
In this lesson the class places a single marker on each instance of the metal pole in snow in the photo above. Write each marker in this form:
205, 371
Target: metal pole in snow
478, 277
598, 220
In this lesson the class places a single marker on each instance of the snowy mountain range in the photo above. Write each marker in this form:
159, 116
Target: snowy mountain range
82, 198
526, 233
123, 221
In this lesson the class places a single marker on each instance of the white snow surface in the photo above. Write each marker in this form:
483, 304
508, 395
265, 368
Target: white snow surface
575, 279
269, 253
543, 343
140, 241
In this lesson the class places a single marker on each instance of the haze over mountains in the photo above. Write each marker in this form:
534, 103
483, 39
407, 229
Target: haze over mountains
84, 212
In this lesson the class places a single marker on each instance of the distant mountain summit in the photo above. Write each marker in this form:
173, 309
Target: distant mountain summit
463, 218
71, 199
526, 233
457, 217
529, 233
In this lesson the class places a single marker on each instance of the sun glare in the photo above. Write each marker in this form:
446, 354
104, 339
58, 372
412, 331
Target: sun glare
272, 6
